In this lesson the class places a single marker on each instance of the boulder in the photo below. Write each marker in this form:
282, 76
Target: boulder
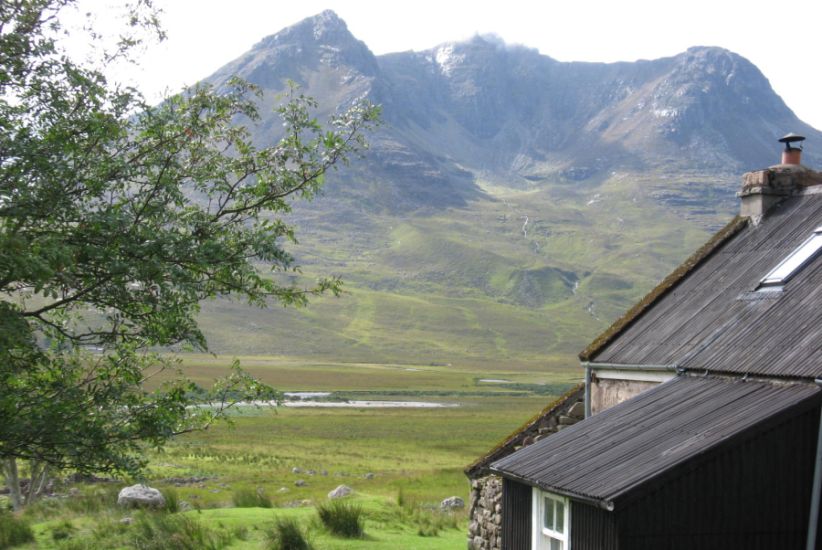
577, 410
340, 491
452, 503
565, 420
140, 496
300, 483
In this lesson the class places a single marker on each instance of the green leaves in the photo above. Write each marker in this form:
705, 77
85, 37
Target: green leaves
116, 220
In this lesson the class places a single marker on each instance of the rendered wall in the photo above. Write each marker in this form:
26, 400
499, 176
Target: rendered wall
605, 393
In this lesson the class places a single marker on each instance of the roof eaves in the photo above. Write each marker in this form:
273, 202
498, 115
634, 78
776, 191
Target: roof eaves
603, 503
493, 454
673, 279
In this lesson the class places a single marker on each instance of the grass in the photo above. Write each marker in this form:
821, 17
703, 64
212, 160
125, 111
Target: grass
63, 530
14, 531
250, 498
422, 451
287, 534
172, 499
176, 532
89, 500
416, 453
343, 518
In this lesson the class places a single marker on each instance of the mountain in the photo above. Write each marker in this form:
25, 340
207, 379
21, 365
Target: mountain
511, 203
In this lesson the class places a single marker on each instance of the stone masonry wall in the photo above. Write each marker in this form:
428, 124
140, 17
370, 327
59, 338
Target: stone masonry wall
485, 511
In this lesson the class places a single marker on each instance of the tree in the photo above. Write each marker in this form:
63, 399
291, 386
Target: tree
117, 218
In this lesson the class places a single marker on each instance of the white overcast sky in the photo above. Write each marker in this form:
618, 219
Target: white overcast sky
784, 39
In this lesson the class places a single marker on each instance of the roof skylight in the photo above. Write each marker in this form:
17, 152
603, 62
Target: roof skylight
795, 261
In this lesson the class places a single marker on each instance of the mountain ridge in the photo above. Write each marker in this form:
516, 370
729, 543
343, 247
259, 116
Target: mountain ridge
511, 204
481, 105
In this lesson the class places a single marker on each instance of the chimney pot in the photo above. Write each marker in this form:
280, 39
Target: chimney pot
791, 154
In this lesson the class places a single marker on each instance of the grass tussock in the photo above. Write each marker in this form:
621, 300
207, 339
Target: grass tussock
431, 522
342, 518
172, 498
176, 532
251, 498
14, 531
427, 518
63, 530
286, 534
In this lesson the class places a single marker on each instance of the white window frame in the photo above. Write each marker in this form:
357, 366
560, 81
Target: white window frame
542, 535
795, 261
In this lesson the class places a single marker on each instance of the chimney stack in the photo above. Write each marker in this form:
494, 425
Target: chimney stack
763, 189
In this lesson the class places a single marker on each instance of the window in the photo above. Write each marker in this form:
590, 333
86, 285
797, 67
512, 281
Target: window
795, 261
550, 521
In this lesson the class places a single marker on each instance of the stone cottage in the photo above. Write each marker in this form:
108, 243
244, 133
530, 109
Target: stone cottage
702, 404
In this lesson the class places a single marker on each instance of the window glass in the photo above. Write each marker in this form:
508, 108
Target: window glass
559, 521
797, 259
549, 513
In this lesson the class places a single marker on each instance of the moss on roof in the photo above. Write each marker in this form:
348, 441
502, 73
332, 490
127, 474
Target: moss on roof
668, 283
483, 461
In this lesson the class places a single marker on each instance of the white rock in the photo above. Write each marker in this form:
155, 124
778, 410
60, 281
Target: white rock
141, 496
452, 503
340, 491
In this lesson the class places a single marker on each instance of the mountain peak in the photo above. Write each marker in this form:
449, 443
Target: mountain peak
327, 25
322, 39
325, 28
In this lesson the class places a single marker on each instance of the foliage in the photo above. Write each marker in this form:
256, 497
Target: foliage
286, 534
342, 518
116, 219
250, 498
14, 531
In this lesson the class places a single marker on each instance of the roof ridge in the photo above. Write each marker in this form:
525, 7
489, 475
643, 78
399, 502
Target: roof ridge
673, 279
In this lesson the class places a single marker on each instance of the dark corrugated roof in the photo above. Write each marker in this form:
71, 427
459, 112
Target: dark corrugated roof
611, 455
714, 320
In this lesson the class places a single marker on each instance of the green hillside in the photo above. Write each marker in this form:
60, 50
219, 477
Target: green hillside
477, 284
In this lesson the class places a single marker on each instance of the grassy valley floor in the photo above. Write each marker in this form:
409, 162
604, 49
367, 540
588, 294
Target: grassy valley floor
400, 462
